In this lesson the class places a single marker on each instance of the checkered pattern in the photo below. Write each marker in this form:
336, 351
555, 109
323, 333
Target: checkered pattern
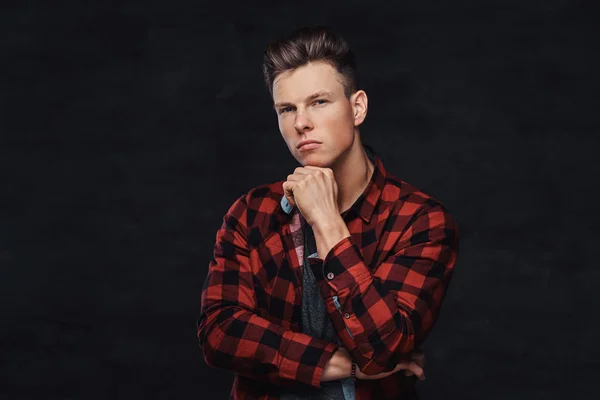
388, 279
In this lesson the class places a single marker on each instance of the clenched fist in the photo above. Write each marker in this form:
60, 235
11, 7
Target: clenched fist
314, 191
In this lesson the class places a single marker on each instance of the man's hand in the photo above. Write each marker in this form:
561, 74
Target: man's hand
315, 192
419, 357
339, 366
412, 367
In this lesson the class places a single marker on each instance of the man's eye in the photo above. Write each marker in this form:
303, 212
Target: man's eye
320, 101
285, 109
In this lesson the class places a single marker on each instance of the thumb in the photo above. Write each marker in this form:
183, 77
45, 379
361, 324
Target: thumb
288, 192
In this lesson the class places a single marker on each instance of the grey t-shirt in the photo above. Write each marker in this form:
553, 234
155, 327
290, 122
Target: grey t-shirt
316, 323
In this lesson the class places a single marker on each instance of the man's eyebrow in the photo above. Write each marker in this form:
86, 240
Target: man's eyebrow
307, 99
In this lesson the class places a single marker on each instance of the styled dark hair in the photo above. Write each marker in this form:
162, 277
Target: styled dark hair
306, 45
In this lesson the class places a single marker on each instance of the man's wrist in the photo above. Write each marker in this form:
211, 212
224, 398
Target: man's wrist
328, 233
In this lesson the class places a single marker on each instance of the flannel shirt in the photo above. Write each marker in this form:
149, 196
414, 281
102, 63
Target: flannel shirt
383, 287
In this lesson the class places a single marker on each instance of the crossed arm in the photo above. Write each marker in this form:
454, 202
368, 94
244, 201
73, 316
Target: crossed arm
381, 315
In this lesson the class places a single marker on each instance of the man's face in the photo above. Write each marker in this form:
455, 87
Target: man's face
311, 106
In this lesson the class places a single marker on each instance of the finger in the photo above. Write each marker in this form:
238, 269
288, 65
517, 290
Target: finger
315, 170
289, 186
381, 375
294, 177
288, 191
417, 370
400, 366
412, 368
302, 171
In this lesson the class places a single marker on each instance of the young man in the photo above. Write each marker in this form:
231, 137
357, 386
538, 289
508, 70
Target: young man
323, 286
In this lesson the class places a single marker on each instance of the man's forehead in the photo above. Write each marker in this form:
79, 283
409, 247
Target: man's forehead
305, 81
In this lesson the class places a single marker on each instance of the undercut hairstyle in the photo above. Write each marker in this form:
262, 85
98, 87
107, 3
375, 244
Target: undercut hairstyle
306, 45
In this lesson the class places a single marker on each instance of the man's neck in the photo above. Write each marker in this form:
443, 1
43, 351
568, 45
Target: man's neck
352, 174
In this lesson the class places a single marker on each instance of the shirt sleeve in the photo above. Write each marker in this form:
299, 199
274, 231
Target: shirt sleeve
233, 336
382, 315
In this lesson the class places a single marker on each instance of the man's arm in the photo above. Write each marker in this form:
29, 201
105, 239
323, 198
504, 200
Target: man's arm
339, 367
231, 334
380, 316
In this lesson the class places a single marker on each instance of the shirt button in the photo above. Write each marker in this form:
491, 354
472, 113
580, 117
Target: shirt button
346, 315
330, 276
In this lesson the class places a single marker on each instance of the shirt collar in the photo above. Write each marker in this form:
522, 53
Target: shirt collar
365, 205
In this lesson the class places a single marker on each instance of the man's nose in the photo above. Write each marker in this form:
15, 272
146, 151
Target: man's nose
302, 122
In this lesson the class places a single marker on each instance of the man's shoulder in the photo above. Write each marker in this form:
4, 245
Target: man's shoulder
408, 198
410, 206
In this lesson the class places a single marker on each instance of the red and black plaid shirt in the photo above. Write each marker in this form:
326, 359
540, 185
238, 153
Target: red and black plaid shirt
388, 279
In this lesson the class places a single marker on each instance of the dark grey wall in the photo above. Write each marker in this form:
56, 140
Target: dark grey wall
128, 129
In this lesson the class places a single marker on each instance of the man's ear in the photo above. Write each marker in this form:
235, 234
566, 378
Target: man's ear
360, 105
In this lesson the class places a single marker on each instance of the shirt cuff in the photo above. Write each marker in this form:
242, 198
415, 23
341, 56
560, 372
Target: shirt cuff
343, 267
305, 359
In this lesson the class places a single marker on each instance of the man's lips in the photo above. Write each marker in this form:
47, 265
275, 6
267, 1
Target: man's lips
308, 144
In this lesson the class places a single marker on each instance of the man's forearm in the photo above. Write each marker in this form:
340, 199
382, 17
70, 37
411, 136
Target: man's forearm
338, 367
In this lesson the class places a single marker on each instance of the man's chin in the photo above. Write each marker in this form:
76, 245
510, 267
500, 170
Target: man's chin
315, 160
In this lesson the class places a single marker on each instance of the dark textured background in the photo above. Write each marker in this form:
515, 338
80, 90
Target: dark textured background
128, 129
